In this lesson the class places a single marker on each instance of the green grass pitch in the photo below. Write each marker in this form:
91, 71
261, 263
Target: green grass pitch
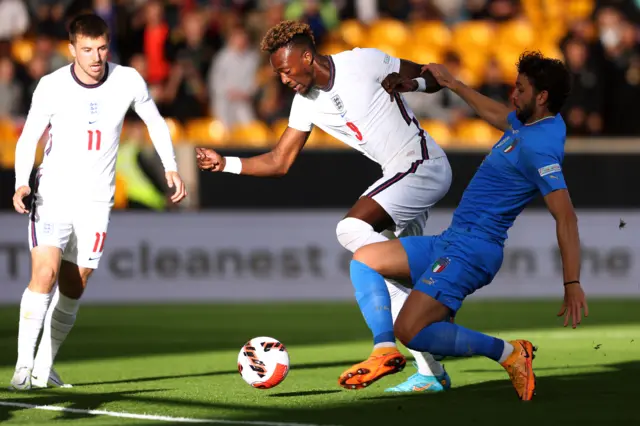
180, 361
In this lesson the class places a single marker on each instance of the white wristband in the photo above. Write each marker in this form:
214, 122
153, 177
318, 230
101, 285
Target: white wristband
233, 165
422, 84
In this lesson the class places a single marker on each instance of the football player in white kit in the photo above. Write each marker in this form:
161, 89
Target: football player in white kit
83, 105
344, 95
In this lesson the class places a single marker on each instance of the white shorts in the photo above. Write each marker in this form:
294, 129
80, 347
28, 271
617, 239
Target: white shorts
79, 230
408, 195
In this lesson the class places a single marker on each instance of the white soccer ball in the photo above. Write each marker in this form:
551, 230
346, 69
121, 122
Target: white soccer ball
263, 362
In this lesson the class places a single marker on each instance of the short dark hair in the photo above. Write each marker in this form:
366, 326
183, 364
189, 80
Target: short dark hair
547, 74
288, 33
88, 25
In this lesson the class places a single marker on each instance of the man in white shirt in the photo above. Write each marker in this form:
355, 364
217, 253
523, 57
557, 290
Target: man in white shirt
348, 96
83, 105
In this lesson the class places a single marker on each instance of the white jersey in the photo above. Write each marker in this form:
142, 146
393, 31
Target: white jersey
84, 124
355, 109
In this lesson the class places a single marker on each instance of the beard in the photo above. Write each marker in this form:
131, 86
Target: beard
524, 114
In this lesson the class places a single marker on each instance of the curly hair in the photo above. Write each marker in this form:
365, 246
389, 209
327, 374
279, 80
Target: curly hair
547, 74
288, 33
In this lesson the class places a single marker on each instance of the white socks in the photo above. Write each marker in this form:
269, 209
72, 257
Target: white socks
33, 308
427, 365
508, 350
57, 325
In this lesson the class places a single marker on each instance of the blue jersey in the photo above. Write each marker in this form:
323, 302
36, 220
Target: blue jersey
526, 161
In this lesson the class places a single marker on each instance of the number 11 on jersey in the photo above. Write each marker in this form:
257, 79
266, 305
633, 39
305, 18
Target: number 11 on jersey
95, 137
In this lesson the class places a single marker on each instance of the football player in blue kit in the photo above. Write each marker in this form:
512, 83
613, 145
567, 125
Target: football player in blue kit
448, 267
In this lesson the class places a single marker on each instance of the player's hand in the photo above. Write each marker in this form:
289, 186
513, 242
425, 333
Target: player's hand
574, 302
394, 83
441, 74
209, 160
18, 199
175, 181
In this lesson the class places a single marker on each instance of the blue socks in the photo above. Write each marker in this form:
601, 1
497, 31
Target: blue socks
375, 303
447, 339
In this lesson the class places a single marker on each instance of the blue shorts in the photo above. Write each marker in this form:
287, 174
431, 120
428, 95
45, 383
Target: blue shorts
452, 265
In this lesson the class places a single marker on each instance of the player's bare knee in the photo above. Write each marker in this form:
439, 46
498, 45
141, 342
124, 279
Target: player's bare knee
73, 279
43, 278
368, 256
403, 331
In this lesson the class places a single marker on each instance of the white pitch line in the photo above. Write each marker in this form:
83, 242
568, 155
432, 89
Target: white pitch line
152, 417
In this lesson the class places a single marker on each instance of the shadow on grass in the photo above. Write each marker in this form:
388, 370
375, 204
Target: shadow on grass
604, 398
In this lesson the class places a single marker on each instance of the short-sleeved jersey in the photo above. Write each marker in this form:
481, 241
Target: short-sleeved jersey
355, 109
84, 125
527, 161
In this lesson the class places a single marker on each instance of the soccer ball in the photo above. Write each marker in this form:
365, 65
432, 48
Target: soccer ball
263, 362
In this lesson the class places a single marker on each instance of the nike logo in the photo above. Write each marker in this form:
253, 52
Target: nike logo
422, 388
91, 122
94, 258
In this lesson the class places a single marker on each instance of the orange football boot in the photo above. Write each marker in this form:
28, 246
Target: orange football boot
519, 365
382, 362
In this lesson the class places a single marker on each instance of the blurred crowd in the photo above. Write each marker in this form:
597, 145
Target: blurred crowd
201, 57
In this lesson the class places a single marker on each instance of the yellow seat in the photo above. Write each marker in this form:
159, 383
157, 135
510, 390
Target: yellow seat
434, 35
278, 127
516, 34
22, 50
353, 32
579, 9
475, 61
332, 48
206, 131
420, 54
438, 130
120, 199
476, 132
175, 128
473, 35
322, 140
254, 134
63, 48
389, 31
507, 60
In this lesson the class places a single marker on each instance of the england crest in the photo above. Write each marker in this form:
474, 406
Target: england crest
337, 102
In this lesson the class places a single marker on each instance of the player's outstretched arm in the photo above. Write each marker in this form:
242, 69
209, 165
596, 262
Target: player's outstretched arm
37, 121
561, 208
411, 77
271, 164
489, 110
160, 135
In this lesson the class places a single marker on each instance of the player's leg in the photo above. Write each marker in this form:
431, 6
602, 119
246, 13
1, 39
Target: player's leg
78, 263
48, 236
423, 324
60, 319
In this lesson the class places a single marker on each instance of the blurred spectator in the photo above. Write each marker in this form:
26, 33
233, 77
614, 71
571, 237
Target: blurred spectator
321, 15
47, 47
14, 19
35, 70
583, 109
155, 34
617, 54
190, 56
232, 80
493, 84
273, 99
10, 90
50, 16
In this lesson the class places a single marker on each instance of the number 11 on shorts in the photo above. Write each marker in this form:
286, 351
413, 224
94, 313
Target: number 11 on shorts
98, 246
